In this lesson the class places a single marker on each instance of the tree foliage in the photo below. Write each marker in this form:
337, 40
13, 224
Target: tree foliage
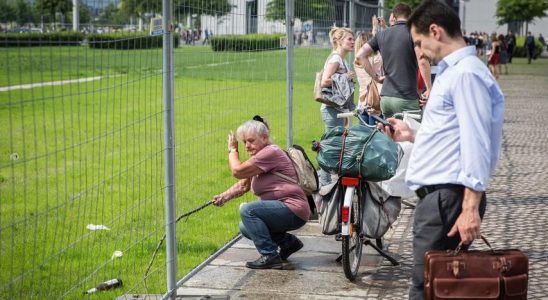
199, 7
181, 7
51, 7
389, 4
304, 10
111, 14
520, 10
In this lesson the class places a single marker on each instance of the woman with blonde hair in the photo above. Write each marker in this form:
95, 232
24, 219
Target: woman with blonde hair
342, 40
363, 78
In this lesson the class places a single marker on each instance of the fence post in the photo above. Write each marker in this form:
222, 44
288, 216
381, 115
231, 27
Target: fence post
169, 142
352, 25
289, 6
75, 16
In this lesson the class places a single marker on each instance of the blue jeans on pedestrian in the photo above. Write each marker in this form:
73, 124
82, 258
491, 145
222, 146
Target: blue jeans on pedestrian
329, 117
266, 223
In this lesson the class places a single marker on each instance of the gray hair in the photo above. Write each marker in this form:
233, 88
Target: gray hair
252, 127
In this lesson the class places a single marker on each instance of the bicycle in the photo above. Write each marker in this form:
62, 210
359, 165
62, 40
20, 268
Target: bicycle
351, 219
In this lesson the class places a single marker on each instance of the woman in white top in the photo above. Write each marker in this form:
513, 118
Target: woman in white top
342, 40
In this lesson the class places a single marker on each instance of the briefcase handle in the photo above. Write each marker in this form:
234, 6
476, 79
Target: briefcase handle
457, 250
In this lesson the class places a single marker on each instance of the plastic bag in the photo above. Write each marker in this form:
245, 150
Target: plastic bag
396, 185
367, 153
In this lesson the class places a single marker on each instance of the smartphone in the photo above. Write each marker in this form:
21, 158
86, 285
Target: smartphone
382, 121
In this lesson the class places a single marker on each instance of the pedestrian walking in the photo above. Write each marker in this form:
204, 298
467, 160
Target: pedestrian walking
511, 44
458, 144
529, 46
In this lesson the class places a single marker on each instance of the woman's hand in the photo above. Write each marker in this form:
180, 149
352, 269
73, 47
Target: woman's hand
232, 141
379, 79
350, 75
219, 200
423, 98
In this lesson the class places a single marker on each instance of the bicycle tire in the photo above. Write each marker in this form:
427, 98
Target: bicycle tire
352, 244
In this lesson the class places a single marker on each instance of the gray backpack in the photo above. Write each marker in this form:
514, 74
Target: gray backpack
307, 177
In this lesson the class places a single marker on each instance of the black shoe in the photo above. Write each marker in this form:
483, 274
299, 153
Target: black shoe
294, 247
266, 262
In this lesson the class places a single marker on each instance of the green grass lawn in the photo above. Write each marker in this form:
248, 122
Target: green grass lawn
93, 153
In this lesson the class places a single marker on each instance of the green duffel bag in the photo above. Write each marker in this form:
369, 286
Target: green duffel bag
367, 152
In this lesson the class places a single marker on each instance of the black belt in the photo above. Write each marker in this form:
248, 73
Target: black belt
427, 189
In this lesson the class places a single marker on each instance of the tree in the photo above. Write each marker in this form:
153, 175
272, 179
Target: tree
304, 10
389, 4
520, 11
111, 14
199, 7
6, 12
51, 7
23, 12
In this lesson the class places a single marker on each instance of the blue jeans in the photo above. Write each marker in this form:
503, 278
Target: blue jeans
266, 223
329, 117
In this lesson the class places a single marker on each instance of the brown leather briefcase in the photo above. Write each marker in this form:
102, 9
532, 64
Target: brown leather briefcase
492, 274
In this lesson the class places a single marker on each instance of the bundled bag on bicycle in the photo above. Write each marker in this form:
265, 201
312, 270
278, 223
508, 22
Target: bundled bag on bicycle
353, 206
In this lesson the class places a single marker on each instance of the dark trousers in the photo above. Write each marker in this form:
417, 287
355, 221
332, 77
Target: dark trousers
435, 214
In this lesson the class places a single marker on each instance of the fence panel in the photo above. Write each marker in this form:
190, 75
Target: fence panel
82, 158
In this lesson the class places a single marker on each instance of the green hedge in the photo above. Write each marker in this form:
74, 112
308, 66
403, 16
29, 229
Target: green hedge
520, 49
248, 42
128, 41
41, 39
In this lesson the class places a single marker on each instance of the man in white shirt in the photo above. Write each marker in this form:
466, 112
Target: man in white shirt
458, 145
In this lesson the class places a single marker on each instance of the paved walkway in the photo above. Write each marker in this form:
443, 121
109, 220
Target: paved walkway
517, 217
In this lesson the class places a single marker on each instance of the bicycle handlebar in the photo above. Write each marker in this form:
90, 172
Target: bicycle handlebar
345, 115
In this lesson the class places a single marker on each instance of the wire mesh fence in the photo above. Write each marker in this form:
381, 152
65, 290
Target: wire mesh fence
82, 166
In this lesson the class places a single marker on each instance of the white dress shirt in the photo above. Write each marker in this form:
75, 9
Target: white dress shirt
460, 136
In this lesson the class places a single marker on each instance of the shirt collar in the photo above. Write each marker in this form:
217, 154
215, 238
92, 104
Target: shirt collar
453, 58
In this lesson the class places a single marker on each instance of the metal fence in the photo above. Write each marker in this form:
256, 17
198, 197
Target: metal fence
104, 148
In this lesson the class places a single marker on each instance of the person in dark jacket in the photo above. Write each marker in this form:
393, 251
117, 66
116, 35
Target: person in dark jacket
529, 46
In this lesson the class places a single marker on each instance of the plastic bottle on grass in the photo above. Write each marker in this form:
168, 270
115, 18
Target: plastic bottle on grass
107, 285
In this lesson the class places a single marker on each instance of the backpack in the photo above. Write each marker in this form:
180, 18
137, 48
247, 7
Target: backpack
307, 177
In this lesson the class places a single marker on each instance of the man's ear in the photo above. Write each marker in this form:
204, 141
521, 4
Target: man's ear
435, 31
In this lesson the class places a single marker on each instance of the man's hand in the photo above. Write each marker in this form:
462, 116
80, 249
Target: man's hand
400, 133
467, 225
469, 221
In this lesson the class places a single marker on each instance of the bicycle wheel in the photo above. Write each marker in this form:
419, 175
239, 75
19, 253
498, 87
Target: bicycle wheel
352, 244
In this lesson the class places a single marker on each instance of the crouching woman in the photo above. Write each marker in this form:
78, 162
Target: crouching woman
281, 206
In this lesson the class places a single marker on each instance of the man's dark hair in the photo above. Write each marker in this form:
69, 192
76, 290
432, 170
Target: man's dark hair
435, 12
401, 10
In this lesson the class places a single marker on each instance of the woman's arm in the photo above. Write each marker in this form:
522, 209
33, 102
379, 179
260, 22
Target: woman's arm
238, 169
327, 73
238, 189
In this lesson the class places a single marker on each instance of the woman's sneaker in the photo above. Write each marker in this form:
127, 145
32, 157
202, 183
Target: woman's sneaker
266, 262
295, 246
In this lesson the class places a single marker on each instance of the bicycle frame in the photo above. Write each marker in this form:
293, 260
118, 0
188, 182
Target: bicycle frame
351, 184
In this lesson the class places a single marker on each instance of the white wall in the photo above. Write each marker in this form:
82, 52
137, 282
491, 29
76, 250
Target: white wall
480, 16
234, 22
